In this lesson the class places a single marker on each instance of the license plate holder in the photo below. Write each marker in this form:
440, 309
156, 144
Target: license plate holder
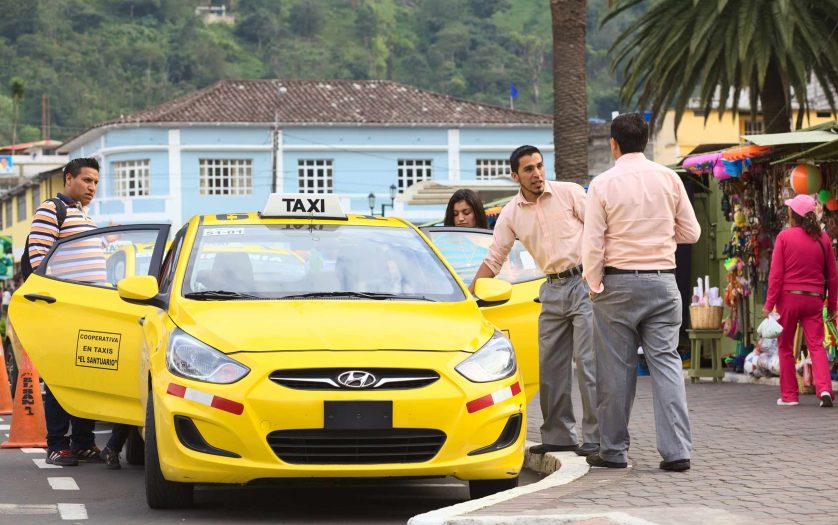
357, 415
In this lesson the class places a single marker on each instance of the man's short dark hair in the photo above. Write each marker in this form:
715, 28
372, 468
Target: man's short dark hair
521, 151
74, 166
631, 132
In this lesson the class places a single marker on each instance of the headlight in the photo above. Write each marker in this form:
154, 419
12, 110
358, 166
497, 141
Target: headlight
192, 359
496, 360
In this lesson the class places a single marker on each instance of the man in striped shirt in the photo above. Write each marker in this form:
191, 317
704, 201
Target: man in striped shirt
82, 263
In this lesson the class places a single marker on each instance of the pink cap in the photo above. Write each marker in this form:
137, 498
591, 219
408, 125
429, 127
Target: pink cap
802, 204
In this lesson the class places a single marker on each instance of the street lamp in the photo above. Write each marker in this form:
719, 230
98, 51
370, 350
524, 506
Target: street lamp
371, 199
393, 191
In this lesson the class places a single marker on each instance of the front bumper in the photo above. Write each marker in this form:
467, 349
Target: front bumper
270, 408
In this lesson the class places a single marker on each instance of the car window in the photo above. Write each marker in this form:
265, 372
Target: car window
169, 266
276, 261
465, 251
100, 259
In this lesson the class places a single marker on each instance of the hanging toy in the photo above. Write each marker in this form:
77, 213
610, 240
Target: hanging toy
824, 196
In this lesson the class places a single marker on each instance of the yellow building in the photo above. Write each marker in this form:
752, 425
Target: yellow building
18, 205
670, 146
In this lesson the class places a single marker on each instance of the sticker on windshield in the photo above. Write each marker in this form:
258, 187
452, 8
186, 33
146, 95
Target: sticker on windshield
98, 349
209, 232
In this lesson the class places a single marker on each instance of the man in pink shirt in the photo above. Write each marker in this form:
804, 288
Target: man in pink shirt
636, 214
547, 217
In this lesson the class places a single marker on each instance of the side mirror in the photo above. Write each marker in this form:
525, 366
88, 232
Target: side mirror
492, 292
138, 289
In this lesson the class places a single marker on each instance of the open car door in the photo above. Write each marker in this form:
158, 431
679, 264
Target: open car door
464, 249
86, 342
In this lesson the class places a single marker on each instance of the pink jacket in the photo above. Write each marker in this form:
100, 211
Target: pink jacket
798, 264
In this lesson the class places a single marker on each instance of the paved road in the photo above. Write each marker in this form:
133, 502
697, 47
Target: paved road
104, 496
754, 462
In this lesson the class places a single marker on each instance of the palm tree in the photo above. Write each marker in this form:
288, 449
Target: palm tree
715, 49
570, 110
17, 88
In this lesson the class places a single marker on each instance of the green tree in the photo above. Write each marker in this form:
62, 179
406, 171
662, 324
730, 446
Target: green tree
722, 48
570, 120
17, 90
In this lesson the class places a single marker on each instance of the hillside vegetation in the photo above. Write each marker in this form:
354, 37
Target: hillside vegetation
99, 59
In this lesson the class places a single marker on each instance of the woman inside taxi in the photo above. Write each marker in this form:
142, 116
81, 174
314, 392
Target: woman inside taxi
465, 210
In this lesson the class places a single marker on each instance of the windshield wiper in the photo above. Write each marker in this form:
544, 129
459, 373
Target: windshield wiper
361, 295
218, 295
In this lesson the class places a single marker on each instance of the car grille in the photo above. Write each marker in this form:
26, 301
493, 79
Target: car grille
356, 447
328, 378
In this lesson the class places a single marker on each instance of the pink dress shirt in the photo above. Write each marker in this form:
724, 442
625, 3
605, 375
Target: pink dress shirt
636, 214
797, 264
549, 228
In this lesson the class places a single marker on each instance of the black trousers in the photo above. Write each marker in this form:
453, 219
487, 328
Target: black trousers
119, 435
58, 423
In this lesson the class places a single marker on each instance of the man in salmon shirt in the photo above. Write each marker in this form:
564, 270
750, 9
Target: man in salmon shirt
547, 216
637, 212
802, 272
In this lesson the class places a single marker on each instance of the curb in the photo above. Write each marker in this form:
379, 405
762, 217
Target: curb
561, 467
733, 377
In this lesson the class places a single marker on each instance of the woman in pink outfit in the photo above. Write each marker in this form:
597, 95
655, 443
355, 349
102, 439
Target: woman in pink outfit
802, 270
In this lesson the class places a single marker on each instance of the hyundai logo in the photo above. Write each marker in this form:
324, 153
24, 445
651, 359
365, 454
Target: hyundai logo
356, 379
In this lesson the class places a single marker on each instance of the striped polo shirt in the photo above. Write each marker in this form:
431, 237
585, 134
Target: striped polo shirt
77, 261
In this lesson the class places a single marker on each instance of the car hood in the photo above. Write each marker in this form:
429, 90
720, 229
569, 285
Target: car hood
263, 326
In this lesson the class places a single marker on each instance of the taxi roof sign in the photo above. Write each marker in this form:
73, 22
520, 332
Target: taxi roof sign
303, 206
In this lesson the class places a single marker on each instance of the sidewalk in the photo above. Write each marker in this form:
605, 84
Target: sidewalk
754, 462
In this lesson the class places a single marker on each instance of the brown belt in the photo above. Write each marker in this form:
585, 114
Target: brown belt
802, 292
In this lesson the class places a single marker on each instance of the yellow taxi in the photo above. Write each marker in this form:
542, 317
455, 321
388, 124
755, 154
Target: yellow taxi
295, 342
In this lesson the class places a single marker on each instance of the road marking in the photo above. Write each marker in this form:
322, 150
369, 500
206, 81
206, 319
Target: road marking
63, 483
33, 450
101, 431
72, 511
42, 463
8, 508
5, 427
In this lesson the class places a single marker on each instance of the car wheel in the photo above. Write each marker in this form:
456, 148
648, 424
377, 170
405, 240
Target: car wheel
11, 365
478, 488
134, 448
159, 492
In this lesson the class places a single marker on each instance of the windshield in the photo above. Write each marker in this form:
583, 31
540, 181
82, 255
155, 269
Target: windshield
315, 260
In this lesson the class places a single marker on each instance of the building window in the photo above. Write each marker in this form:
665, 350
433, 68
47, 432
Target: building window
226, 177
754, 127
411, 171
314, 176
36, 198
21, 207
132, 178
492, 168
9, 212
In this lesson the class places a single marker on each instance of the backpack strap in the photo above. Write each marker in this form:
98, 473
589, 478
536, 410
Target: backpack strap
60, 210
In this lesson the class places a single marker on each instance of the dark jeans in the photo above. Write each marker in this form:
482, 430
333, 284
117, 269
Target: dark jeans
58, 423
119, 435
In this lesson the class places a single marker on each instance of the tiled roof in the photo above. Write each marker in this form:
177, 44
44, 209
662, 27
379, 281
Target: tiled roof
328, 102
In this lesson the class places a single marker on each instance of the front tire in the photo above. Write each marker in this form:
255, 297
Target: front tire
159, 492
479, 488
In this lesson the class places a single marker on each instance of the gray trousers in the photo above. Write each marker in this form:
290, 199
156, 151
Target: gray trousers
565, 331
640, 310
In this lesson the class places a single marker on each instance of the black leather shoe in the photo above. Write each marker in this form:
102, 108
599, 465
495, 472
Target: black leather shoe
595, 461
586, 449
545, 448
678, 465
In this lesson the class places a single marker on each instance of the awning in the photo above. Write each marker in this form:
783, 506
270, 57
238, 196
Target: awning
821, 152
793, 137
440, 191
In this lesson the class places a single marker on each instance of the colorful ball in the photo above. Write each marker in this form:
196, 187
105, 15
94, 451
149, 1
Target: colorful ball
824, 195
832, 204
806, 179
